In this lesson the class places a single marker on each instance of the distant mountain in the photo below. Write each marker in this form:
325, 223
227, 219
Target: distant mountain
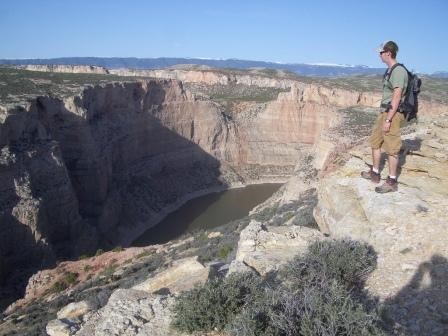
440, 74
163, 62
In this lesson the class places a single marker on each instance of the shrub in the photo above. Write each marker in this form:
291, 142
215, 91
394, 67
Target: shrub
312, 295
202, 238
70, 278
224, 251
327, 309
99, 252
255, 319
109, 269
145, 253
215, 304
58, 286
346, 261
117, 249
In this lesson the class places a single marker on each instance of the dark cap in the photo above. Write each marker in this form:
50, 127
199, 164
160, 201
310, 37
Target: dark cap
390, 46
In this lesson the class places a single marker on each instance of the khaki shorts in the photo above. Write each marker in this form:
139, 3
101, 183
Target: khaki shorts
390, 142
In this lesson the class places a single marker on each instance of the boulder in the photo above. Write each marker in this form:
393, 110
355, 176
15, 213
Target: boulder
61, 328
183, 275
131, 312
75, 310
266, 248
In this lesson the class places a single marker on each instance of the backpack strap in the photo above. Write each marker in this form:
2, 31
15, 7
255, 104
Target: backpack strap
388, 73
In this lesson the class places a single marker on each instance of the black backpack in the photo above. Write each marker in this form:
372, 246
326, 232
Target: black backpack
409, 103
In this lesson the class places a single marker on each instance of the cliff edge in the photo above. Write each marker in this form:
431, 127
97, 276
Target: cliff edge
408, 229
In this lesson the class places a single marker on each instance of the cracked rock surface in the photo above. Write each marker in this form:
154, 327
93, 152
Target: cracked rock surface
408, 229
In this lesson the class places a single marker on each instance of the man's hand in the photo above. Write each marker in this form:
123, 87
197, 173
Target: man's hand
396, 97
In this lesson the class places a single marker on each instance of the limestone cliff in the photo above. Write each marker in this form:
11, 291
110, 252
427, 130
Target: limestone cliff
66, 68
98, 168
312, 92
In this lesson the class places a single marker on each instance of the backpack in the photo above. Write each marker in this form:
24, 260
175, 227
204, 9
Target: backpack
409, 103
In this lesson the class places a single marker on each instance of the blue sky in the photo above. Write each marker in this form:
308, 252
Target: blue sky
312, 31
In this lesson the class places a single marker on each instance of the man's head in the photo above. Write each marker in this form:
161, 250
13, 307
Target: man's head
389, 47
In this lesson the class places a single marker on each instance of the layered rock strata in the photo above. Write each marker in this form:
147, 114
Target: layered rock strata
91, 69
98, 168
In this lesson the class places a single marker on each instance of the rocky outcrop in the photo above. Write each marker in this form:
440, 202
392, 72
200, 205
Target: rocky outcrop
181, 276
265, 249
128, 312
145, 309
408, 229
90, 69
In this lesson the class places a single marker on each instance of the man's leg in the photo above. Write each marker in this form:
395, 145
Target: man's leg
376, 140
393, 165
376, 157
391, 183
373, 174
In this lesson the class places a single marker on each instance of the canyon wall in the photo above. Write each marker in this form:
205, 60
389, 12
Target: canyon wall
96, 169
312, 92
65, 68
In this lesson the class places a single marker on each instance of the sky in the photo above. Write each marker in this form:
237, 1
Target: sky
287, 31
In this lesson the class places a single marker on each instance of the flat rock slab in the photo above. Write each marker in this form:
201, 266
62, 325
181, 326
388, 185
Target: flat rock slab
182, 276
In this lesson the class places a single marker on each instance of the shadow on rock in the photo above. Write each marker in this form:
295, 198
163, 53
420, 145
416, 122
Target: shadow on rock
421, 307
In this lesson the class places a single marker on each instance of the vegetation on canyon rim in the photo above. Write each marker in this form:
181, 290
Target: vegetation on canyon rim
318, 293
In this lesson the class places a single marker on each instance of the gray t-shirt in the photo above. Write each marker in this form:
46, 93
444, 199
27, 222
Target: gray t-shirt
398, 79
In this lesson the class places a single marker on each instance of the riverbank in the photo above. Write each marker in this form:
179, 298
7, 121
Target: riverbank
131, 235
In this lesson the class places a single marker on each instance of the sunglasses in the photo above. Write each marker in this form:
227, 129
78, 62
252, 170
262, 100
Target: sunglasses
382, 52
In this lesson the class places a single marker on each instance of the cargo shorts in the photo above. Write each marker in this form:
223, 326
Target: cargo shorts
390, 142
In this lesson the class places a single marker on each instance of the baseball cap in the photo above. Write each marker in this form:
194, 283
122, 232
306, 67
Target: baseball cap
388, 46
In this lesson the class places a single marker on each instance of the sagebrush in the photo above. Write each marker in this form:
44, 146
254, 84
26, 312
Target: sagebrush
314, 294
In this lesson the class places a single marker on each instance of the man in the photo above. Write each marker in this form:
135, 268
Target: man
386, 131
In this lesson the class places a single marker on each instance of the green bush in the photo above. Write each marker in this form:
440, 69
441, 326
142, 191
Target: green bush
255, 318
109, 269
58, 286
329, 309
346, 261
314, 294
324, 309
99, 252
70, 278
145, 253
215, 304
224, 251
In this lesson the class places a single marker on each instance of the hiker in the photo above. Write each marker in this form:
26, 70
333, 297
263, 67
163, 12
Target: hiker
386, 130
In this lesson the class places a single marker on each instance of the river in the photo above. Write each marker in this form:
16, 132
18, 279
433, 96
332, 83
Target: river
207, 212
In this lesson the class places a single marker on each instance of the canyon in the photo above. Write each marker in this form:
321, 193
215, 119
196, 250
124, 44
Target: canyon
95, 169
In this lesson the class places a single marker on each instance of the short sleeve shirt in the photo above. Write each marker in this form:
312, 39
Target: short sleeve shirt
398, 79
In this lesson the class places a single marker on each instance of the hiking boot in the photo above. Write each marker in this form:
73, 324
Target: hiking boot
371, 175
389, 186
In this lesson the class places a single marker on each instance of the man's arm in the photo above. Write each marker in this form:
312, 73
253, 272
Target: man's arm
396, 98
